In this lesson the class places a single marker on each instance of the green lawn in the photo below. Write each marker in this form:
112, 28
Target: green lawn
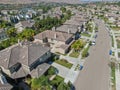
85, 34
113, 75
115, 28
118, 43
85, 52
112, 41
64, 63
74, 54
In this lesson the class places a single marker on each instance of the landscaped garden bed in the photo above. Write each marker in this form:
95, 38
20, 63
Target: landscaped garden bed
64, 63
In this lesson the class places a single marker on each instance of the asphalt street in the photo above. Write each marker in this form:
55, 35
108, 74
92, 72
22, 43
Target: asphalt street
95, 73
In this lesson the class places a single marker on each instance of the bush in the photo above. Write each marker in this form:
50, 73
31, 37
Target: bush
85, 52
51, 71
56, 81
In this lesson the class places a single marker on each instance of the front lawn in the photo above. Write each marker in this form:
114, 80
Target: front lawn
118, 43
85, 34
64, 63
115, 28
74, 54
85, 52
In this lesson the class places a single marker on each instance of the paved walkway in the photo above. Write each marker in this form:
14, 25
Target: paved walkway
117, 73
116, 50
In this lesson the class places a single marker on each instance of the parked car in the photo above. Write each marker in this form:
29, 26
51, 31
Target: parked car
95, 36
81, 67
110, 52
93, 43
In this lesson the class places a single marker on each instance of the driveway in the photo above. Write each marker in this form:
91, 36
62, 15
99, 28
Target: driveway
63, 71
95, 74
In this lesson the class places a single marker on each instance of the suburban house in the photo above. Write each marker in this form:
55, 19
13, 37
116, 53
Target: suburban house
24, 24
22, 59
59, 41
3, 34
71, 29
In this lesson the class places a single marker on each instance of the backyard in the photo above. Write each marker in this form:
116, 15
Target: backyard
64, 63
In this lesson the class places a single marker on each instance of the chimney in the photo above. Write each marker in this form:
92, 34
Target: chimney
68, 31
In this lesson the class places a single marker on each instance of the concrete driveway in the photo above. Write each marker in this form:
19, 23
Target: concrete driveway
95, 74
63, 71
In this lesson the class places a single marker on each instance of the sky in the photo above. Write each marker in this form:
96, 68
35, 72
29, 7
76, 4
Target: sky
100, 0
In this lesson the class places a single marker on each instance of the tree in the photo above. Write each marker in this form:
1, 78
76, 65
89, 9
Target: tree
12, 32
63, 86
78, 45
27, 34
40, 83
63, 9
51, 71
85, 52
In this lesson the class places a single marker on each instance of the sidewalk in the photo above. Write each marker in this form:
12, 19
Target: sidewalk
117, 73
116, 50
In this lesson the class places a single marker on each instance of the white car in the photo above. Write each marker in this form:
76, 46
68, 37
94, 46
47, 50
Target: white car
93, 43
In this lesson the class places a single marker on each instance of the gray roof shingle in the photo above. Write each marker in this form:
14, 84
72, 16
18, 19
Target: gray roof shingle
60, 36
25, 54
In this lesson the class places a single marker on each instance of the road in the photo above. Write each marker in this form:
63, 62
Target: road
96, 72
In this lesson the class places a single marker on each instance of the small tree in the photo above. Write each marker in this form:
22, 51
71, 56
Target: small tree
51, 71
63, 86
12, 32
85, 52
27, 34
63, 9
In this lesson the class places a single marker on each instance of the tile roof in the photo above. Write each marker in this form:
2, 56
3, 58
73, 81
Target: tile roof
68, 28
60, 36
20, 73
40, 70
25, 54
